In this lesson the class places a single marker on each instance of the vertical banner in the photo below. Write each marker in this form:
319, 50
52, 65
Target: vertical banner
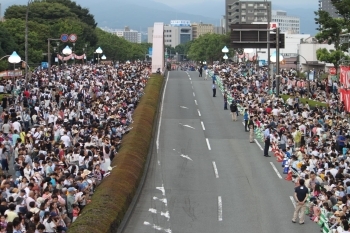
150, 51
345, 76
311, 76
345, 97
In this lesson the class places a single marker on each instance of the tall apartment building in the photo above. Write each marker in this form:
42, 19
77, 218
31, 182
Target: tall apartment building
128, 34
175, 33
326, 5
199, 29
246, 12
288, 24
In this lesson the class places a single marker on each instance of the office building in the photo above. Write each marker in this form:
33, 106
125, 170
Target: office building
175, 33
289, 24
128, 34
326, 5
246, 12
199, 29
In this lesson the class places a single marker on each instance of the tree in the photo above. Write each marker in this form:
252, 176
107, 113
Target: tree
329, 28
331, 56
208, 47
82, 13
7, 43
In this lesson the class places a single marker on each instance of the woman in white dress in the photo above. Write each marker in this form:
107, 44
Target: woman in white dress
106, 159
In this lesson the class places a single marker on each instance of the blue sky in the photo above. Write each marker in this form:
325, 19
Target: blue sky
285, 3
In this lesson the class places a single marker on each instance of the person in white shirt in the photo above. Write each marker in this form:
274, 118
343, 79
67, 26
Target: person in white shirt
16, 126
66, 139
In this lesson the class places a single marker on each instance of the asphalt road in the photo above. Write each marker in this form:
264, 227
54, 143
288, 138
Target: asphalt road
205, 176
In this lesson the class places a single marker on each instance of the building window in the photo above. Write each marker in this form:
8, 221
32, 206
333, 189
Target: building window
250, 4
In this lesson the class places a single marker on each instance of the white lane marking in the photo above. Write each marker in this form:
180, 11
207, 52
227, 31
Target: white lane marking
202, 125
199, 113
208, 144
277, 172
161, 113
190, 78
157, 227
192, 87
165, 214
243, 123
219, 208
184, 107
293, 201
195, 101
257, 143
194, 94
164, 200
153, 211
162, 189
182, 155
215, 170
188, 126
158, 162
186, 157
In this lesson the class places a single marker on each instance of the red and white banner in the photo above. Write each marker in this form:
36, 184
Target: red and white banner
11, 73
332, 70
345, 97
345, 76
70, 57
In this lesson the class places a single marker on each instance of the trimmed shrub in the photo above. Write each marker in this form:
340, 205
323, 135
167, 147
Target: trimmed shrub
113, 196
312, 103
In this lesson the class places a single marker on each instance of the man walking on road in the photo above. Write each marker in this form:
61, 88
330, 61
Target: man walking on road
214, 89
246, 118
267, 141
251, 129
200, 71
300, 195
233, 108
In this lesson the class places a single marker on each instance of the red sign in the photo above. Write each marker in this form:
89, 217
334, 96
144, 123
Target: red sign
73, 38
273, 25
345, 76
345, 98
332, 71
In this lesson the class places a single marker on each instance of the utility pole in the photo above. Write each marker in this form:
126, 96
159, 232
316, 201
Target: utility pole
277, 61
26, 42
49, 54
268, 44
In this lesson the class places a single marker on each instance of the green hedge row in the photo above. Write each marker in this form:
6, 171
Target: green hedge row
312, 103
114, 195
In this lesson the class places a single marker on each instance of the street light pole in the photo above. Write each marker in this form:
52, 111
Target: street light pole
268, 44
277, 61
26, 42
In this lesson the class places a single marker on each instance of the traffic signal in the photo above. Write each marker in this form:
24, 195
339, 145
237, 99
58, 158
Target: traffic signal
281, 40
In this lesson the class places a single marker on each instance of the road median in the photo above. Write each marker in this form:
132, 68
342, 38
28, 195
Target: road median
114, 195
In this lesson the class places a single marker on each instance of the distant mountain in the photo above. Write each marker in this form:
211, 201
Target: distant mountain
138, 15
141, 14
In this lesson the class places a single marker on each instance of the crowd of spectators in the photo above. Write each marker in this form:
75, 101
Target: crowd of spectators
313, 137
58, 135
